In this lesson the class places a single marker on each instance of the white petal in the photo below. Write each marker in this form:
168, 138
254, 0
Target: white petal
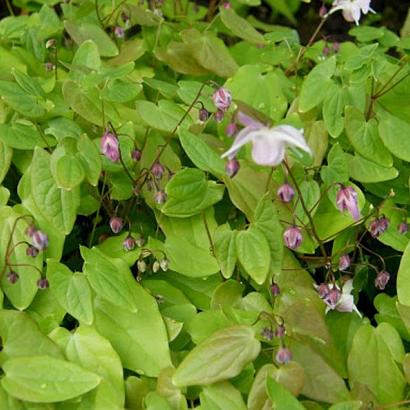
345, 304
348, 287
364, 5
243, 137
267, 150
248, 121
292, 136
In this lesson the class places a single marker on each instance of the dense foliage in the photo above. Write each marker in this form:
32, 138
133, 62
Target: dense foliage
197, 211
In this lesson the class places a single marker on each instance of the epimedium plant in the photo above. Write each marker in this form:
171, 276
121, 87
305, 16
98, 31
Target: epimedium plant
198, 211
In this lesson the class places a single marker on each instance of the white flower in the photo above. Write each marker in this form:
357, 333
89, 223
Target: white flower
268, 144
352, 9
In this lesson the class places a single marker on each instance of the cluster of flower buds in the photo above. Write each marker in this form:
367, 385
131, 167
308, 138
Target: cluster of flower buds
39, 240
293, 237
379, 226
222, 100
110, 146
382, 279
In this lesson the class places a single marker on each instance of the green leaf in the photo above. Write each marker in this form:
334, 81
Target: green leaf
254, 253
221, 396
266, 93
140, 337
281, 398
210, 52
201, 154
365, 139
67, 169
21, 336
316, 85
90, 158
110, 278
393, 133
188, 193
225, 249
333, 107
71, 290
240, 27
370, 363
403, 278
93, 352
6, 154
22, 135
221, 356
283, 7
45, 379
86, 58
119, 91
58, 206
80, 31
347, 405
310, 191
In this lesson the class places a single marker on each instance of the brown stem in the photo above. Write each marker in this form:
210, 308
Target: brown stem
208, 233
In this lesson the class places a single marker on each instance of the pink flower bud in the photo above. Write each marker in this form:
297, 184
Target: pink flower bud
286, 193
232, 167
347, 200
219, 116
284, 355
226, 5
110, 146
382, 279
379, 226
157, 170
322, 11
119, 32
42, 283
326, 51
222, 99
336, 46
12, 277
32, 251
160, 197
39, 240
116, 224
136, 154
344, 262
231, 129
280, 331
323, 290
267, 333
274, 289
403, 228
49, 66
293, 237
203, 115
128, 243
30, 230
333, 297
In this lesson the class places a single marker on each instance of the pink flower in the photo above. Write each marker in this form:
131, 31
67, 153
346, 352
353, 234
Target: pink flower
222, 99
346, 200
286, 193
382, 279
379, 226
110, 146
344, 262
293, 237
39, 240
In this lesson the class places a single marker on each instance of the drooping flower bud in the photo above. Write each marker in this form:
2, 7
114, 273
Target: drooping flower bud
286, 193
283, 355
32, 251
347, 200
128, 243
157, 170
39, 240
322, 289
222, 99
51, 43
49, 66
160, 197
232, 167
227, 5
164, 263
336, 47
203, 115
42, 283
136, 154
379, 226
344, 262
280, 331
219, 116
403, 228
110, 146
274, 289
116, 224
322, 11
382, 279
141, 265
231, 129
292, 237
140, 241
267, 333
326, 51
333, 297
12, 277
119, 32
30, 230
155, 267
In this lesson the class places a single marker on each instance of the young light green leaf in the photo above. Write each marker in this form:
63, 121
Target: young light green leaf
225, 249
221, 396
282, 399
221, 356
45, 379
